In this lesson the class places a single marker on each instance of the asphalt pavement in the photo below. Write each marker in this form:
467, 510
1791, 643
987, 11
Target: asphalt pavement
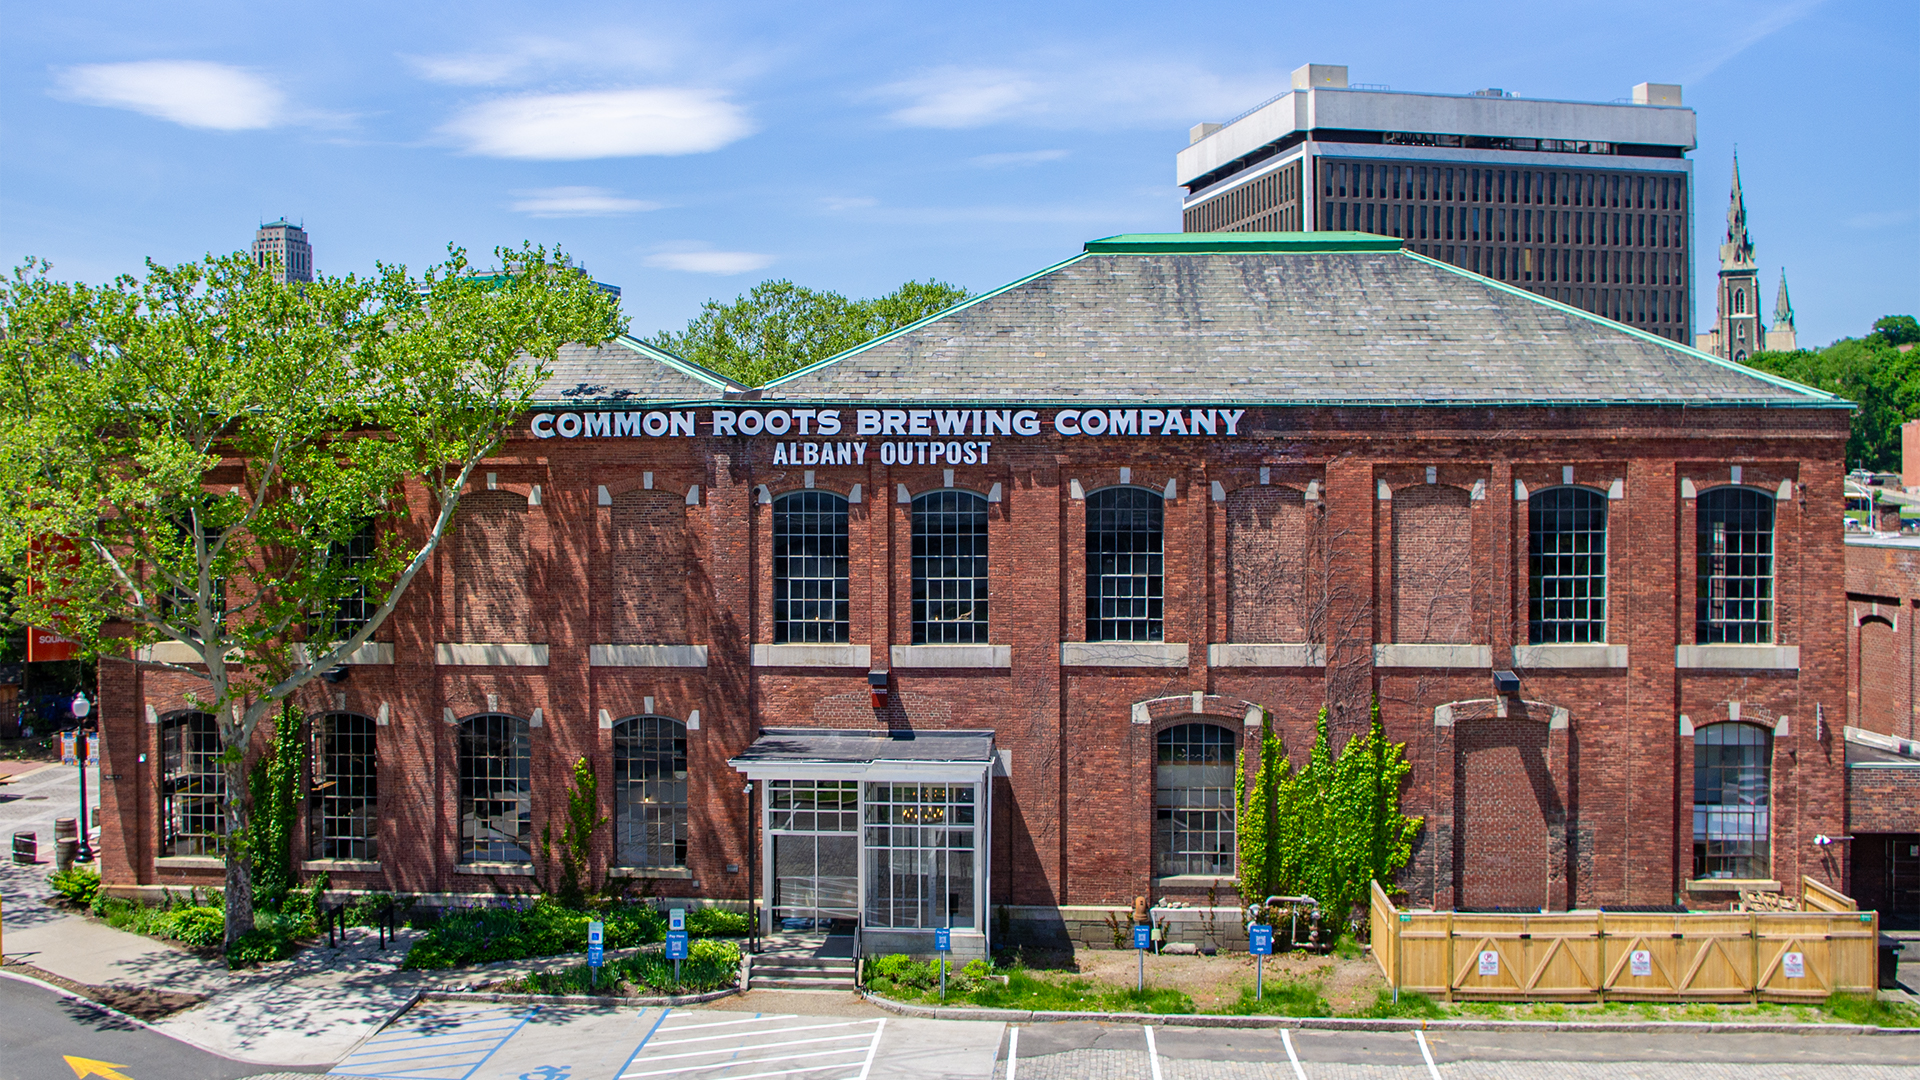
44, 1032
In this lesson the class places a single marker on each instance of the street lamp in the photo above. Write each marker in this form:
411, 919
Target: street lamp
81, 708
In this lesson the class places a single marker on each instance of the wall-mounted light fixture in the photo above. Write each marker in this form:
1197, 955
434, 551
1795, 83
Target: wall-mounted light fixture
877, 682
1505, 682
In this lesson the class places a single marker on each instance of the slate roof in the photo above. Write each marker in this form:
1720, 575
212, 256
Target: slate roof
628, 369
1275, 319
857, 746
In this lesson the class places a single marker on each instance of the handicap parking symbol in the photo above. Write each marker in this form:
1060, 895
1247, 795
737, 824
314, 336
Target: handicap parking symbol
549, 1072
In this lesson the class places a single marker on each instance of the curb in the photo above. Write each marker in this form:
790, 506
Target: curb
117, 1014
1346, 1023
564, 999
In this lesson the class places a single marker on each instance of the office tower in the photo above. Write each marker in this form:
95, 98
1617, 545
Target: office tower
288, 242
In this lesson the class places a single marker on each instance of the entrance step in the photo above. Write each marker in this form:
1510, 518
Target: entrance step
788, 971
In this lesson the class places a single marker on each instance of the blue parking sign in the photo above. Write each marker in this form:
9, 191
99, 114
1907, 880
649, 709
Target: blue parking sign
596, 943
943, 940
1260, 939
1143, 936
676, 944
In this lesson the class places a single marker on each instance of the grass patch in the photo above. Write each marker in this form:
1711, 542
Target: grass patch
904, 979
711, 964
1412, 1005
1861, 1009
1279, 997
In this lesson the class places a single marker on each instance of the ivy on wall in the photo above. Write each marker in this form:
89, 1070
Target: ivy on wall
273, 785
1327, 829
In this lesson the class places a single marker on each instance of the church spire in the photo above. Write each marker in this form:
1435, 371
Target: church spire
1783, 307
1736, 253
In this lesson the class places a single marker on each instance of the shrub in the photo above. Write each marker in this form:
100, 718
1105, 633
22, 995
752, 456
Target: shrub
710, 965
486, 934
718, 922
1412, 1004
76, 885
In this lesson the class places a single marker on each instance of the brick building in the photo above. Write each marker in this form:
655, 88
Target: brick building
982, 609
1883, 745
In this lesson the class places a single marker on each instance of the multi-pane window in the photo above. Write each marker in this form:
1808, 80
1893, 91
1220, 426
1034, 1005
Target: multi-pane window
1734, 552
920, 855
354, 608
344, 806
1731, 778
1567, 566
650, 792
1126, 565
1193, 800
192, 785
810, 567
949, 568
496, 805
815, 872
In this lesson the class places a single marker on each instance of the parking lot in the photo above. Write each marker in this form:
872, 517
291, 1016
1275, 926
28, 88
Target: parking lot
459, 1040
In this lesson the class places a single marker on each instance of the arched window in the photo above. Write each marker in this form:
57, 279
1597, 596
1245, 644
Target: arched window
1567, 566
949, 568
1734, 557
1193, 800
1732, 777
192, 785
650, 792
1739, 302
810, 567
1126, 565
344, 808
496, 811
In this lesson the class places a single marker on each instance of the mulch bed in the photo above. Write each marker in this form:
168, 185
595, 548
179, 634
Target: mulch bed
141, 1003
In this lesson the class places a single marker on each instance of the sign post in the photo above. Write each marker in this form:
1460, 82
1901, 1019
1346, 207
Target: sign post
596, 949
81, 708
676, 951
1142, 941
943, 944
1260, 944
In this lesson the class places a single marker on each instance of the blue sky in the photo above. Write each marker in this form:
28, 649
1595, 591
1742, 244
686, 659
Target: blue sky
686, 151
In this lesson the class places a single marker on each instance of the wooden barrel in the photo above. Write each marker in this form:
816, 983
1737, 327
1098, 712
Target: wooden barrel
26, 847
65, 828
64, 853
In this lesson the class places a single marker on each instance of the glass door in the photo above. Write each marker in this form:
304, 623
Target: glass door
813, 826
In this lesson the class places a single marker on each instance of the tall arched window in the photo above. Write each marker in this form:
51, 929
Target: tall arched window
949, 568
1193, 800
1732, 780
810, 567
1567, 566
1126, 565
496, 803
650, 792
1739, 302
1734, 559
192, 785
344, 808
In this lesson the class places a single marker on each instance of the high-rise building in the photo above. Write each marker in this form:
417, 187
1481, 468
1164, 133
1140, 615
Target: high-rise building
287, 242
1582, 202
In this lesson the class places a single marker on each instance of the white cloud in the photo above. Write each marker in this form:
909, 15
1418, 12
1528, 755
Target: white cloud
1751, 29
1113, 93
476, 69
699, 260
601, 124
1882, 219
190, 92
1025, 157
578, 202
838, 203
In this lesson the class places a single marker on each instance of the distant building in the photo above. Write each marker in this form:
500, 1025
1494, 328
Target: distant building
1738, 331
1586, 203
1781, 336
287, 242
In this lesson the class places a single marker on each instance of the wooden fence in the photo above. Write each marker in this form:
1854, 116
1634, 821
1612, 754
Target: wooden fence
1826, 947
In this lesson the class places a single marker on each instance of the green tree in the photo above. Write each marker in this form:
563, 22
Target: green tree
194, 449
1374, 839
778, 327
1873, 373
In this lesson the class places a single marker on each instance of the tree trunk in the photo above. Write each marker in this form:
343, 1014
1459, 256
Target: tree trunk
238, 846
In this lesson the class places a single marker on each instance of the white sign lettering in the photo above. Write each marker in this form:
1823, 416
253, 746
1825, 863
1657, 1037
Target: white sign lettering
965, 427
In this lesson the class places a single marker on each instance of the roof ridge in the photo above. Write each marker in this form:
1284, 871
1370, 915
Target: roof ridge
1609, 324
677, 362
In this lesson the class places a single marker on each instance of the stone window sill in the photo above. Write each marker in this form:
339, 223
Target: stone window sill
1223, 882
649, 872
952, 656
1139, 654
1267, 655
827, 656
509, 869
340, 866
669, 656
1737, 657
188, 862
456, 654
1434, 656
1552, 657
372, 652
1727, 885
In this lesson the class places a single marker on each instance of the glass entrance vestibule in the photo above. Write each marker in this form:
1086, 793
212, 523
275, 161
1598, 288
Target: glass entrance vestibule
883, 832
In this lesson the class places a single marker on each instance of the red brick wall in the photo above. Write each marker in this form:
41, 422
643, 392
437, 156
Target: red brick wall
1073, 821
1883, 798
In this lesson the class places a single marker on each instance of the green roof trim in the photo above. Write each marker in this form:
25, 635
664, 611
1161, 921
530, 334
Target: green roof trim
680, 363
1820, 397
1198, 243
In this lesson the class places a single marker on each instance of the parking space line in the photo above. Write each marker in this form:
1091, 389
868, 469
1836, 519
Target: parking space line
785, 1049
657, 1021
737, 1048
447, 1052
1286, 1040
754, 1076
754, 1019
1153, 1052
1013, 1050
781, 1031
872, 1049
1432, 1069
